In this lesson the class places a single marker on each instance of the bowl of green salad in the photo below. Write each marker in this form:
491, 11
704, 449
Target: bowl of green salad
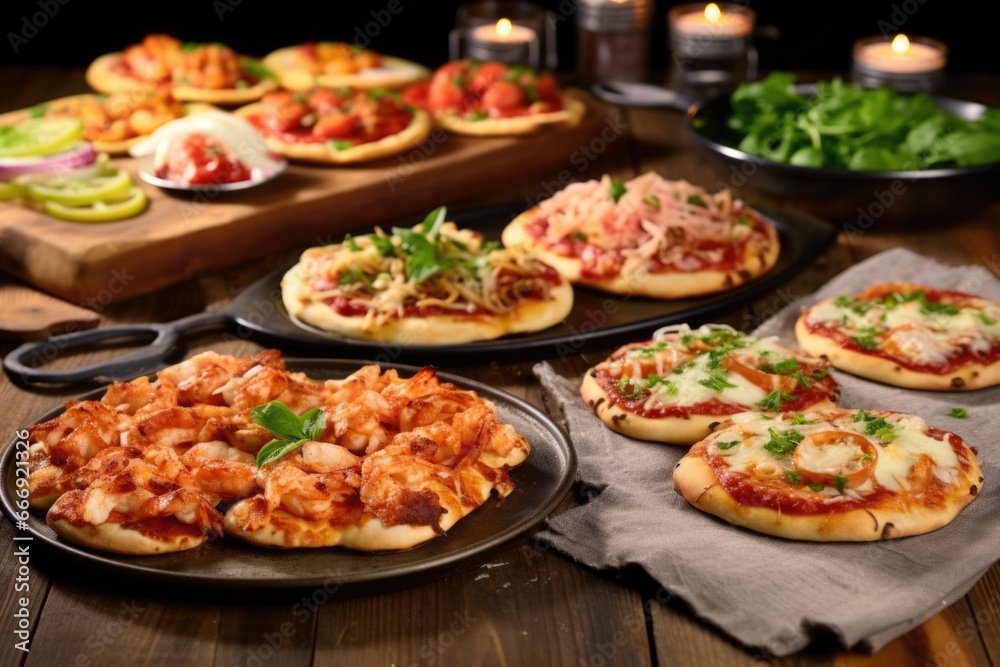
863, 156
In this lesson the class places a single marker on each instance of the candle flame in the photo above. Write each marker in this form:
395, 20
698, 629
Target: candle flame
504, 27
900, 44
712, 13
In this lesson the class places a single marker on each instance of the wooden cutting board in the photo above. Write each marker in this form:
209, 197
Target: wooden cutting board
180, 237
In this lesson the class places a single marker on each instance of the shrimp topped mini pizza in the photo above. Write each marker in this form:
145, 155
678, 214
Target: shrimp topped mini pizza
333, 64
831, 475
221, 445
192, 72
675, 387
434, 284
648, 236
908, 335
494, 99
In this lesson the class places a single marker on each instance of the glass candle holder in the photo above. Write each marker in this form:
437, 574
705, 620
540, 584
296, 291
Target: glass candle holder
613, 39
711, 46
516, 33
906, 64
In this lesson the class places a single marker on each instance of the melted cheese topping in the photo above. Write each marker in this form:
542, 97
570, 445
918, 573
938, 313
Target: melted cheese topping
911, 329
893, 466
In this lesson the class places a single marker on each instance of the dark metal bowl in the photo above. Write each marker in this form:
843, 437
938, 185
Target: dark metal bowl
861, 198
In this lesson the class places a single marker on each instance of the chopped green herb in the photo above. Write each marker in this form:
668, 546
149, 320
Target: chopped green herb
384, 245
617, 190
477, 116
876, 426
696, 200
816, 487
841, 483
579, 236
744, 220
866, 338
986, 319
377, 93
339, 144
653, 380
39, 110
802, 379
782, 444
490, 246
800, 418
783, 367
650, 350
653, 201
624, 383
793, 477
351, 243
774, 400
958, 413
729, 444
819, 374
717, 381
292, 432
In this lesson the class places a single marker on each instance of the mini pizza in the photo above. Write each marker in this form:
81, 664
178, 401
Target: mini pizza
431, 285
336, 126
219, 445
908, 335
648, 236
333, 64
192, 72
678, 385
493, 99
832, 475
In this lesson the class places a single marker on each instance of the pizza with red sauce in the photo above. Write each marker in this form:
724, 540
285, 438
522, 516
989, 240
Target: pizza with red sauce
648, 236
433, 284
491, 98
831, 475
337, 125
908, 335
305, 66
675, 387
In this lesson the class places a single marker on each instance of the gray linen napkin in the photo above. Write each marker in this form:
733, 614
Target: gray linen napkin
769, 592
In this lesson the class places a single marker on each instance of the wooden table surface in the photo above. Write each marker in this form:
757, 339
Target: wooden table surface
522, 606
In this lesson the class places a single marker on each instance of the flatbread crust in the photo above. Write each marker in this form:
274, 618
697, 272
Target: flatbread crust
698, 483
115, 537
448, 329
573, 111
419, 129
970, 375
395, 73
103, 78
657, 285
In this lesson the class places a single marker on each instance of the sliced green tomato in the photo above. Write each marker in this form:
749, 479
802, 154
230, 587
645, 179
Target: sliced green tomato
39, 136
71, 192
10, 190
133, 203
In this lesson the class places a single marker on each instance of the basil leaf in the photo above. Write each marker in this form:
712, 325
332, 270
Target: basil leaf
432, 223
279, 419
383, 244
313, 423
275, 449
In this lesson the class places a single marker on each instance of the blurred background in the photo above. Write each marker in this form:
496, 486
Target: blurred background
813, 35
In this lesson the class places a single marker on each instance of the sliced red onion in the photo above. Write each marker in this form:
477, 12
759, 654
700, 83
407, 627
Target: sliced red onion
80, 156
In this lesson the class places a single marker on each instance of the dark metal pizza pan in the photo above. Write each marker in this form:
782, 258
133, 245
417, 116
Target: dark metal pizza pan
228, 565
596, 317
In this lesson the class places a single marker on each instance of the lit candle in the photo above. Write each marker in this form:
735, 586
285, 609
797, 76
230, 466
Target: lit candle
503, 41
712, 20
902, 56
907, 64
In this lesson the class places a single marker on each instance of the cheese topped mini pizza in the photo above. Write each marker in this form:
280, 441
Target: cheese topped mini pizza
221, 445
431, 285
333, 64
492, 99
112, 123
832, 475
192, 72
675, 387
908, 335
337, 125
648, 236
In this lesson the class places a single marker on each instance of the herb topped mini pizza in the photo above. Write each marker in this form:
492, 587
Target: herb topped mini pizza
491, 99
431, 285
192, 72
648, 236
313, 64
832, 475
908, 335
337, 125
675, 387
